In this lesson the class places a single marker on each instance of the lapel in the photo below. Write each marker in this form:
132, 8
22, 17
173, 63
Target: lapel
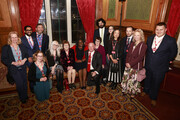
98, 34
22, 52
151, 42
27, 43
94, 56
10, 53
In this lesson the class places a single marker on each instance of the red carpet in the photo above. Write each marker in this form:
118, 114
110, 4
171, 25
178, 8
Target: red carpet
75, 105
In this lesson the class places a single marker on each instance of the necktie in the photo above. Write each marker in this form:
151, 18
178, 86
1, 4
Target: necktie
30, 42
89, 62
127, 42
102, 38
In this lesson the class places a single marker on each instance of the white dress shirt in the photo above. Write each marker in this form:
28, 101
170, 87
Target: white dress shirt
91, 67
130, 38
101, 34
31, 40
158, 42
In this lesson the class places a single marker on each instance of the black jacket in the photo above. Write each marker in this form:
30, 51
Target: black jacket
50, 59
32, 73
96, 61
7, 58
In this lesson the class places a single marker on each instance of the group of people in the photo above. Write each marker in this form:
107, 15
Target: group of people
107, 59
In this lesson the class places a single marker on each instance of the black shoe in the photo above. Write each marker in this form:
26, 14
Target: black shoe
73, 86
70, 86
27, 98
59, 90
112, 84
104, 82
84, 87
23, 101
97, 93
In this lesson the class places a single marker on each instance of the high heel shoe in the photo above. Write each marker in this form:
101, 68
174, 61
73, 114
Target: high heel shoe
65, 82
114, 86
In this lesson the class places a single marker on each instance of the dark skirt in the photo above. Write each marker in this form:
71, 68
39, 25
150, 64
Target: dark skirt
41, 90
79, 66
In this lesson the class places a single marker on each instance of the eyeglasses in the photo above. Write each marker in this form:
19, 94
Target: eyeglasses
55, 45
28, 30
40, 56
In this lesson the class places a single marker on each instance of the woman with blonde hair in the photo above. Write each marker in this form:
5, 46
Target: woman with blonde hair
14, 56
39, 74
53, 58
134, 63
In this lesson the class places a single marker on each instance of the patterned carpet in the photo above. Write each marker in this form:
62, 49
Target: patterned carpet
75, 105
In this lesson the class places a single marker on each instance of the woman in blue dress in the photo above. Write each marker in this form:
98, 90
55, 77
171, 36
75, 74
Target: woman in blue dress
38, 73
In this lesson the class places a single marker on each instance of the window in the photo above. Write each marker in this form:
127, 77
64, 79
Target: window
77, 26
42, 18
64, 19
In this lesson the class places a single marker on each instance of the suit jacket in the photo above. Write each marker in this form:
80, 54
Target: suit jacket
7, 58
105, 39
166, 52
126, 47
45, 42
96, 61
133, 57
28, 47
63, 59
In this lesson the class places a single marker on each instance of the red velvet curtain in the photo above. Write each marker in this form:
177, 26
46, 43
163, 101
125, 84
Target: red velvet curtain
87, 13
174, 18
30, 11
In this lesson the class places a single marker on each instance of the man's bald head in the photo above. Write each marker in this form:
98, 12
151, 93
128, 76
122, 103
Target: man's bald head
91, 47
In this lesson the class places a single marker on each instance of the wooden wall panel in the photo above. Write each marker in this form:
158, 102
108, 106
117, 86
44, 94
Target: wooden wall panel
5, 20
111, 21
9, 20
159, 11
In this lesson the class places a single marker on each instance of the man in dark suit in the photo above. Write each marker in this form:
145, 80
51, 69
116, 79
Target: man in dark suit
31, 46
41, 38
161, 51
101, 32
29, 43
127, 40
94, 66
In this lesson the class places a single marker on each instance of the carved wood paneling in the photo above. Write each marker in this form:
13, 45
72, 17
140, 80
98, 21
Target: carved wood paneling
157, 14
5, 20
9, 20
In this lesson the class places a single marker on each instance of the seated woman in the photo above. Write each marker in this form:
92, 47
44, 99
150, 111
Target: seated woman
80, 62
38, 73
67, 60
101, 50
14, 56
134, 60
53, 58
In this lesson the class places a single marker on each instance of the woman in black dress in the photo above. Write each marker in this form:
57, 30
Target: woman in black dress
80, 61
53, 57
115, 65
67, 60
